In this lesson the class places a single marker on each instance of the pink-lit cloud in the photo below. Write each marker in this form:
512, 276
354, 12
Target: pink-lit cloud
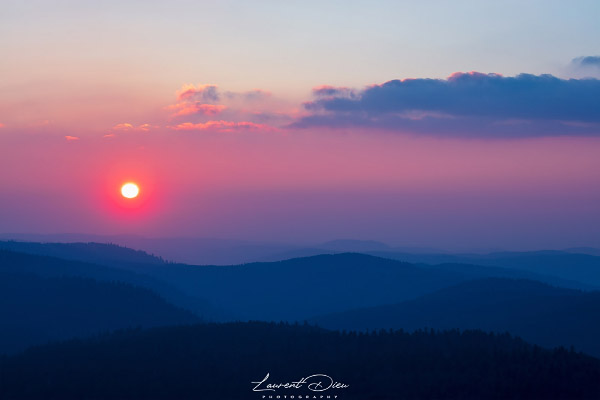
206, 93
122, 127
254, 109
222, 126
191, 108
127, 127
71, 138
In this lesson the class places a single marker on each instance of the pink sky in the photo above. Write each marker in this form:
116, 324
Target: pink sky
299, 185
427, 126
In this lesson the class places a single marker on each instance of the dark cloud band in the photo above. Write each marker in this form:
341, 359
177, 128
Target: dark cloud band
466, 103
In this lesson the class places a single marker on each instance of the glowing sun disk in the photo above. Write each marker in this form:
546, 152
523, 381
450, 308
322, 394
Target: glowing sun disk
130, 190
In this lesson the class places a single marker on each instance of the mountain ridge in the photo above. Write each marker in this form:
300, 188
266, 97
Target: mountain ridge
542, 314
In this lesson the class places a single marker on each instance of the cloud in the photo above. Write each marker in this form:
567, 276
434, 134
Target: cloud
127, 127
587, 61
204, 93
211, 94
122, 127
197, 106
2, 125
201, 100
221, 126
251, 95
187, 108
332, 91
71, 138
464, 103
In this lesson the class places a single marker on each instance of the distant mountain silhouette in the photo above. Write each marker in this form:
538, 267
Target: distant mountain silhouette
592, 251
361, 246
471, 272
272, 291
300, 288
346, 246
213, 251
581, 268
223, 361
539, 313
51, 267
179, 249
355, 246
36, 309
559, 268
338, 282
97, 253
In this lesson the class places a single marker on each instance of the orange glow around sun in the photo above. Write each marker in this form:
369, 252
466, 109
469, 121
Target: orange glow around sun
130, 190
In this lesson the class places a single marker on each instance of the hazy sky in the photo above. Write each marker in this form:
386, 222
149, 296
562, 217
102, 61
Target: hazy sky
460, 125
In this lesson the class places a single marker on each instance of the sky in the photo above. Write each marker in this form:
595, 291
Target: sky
459, 125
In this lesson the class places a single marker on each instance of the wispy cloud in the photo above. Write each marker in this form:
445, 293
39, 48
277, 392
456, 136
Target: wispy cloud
71, 138
192, 108
122, 127
197, 105
250, 95
127, 127
221, 126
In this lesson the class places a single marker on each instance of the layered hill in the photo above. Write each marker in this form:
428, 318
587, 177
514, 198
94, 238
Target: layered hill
31, 281
539, 313
574, 267
37, 309
91, 252
298, 288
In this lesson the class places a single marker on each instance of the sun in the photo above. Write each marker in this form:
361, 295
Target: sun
130, 190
